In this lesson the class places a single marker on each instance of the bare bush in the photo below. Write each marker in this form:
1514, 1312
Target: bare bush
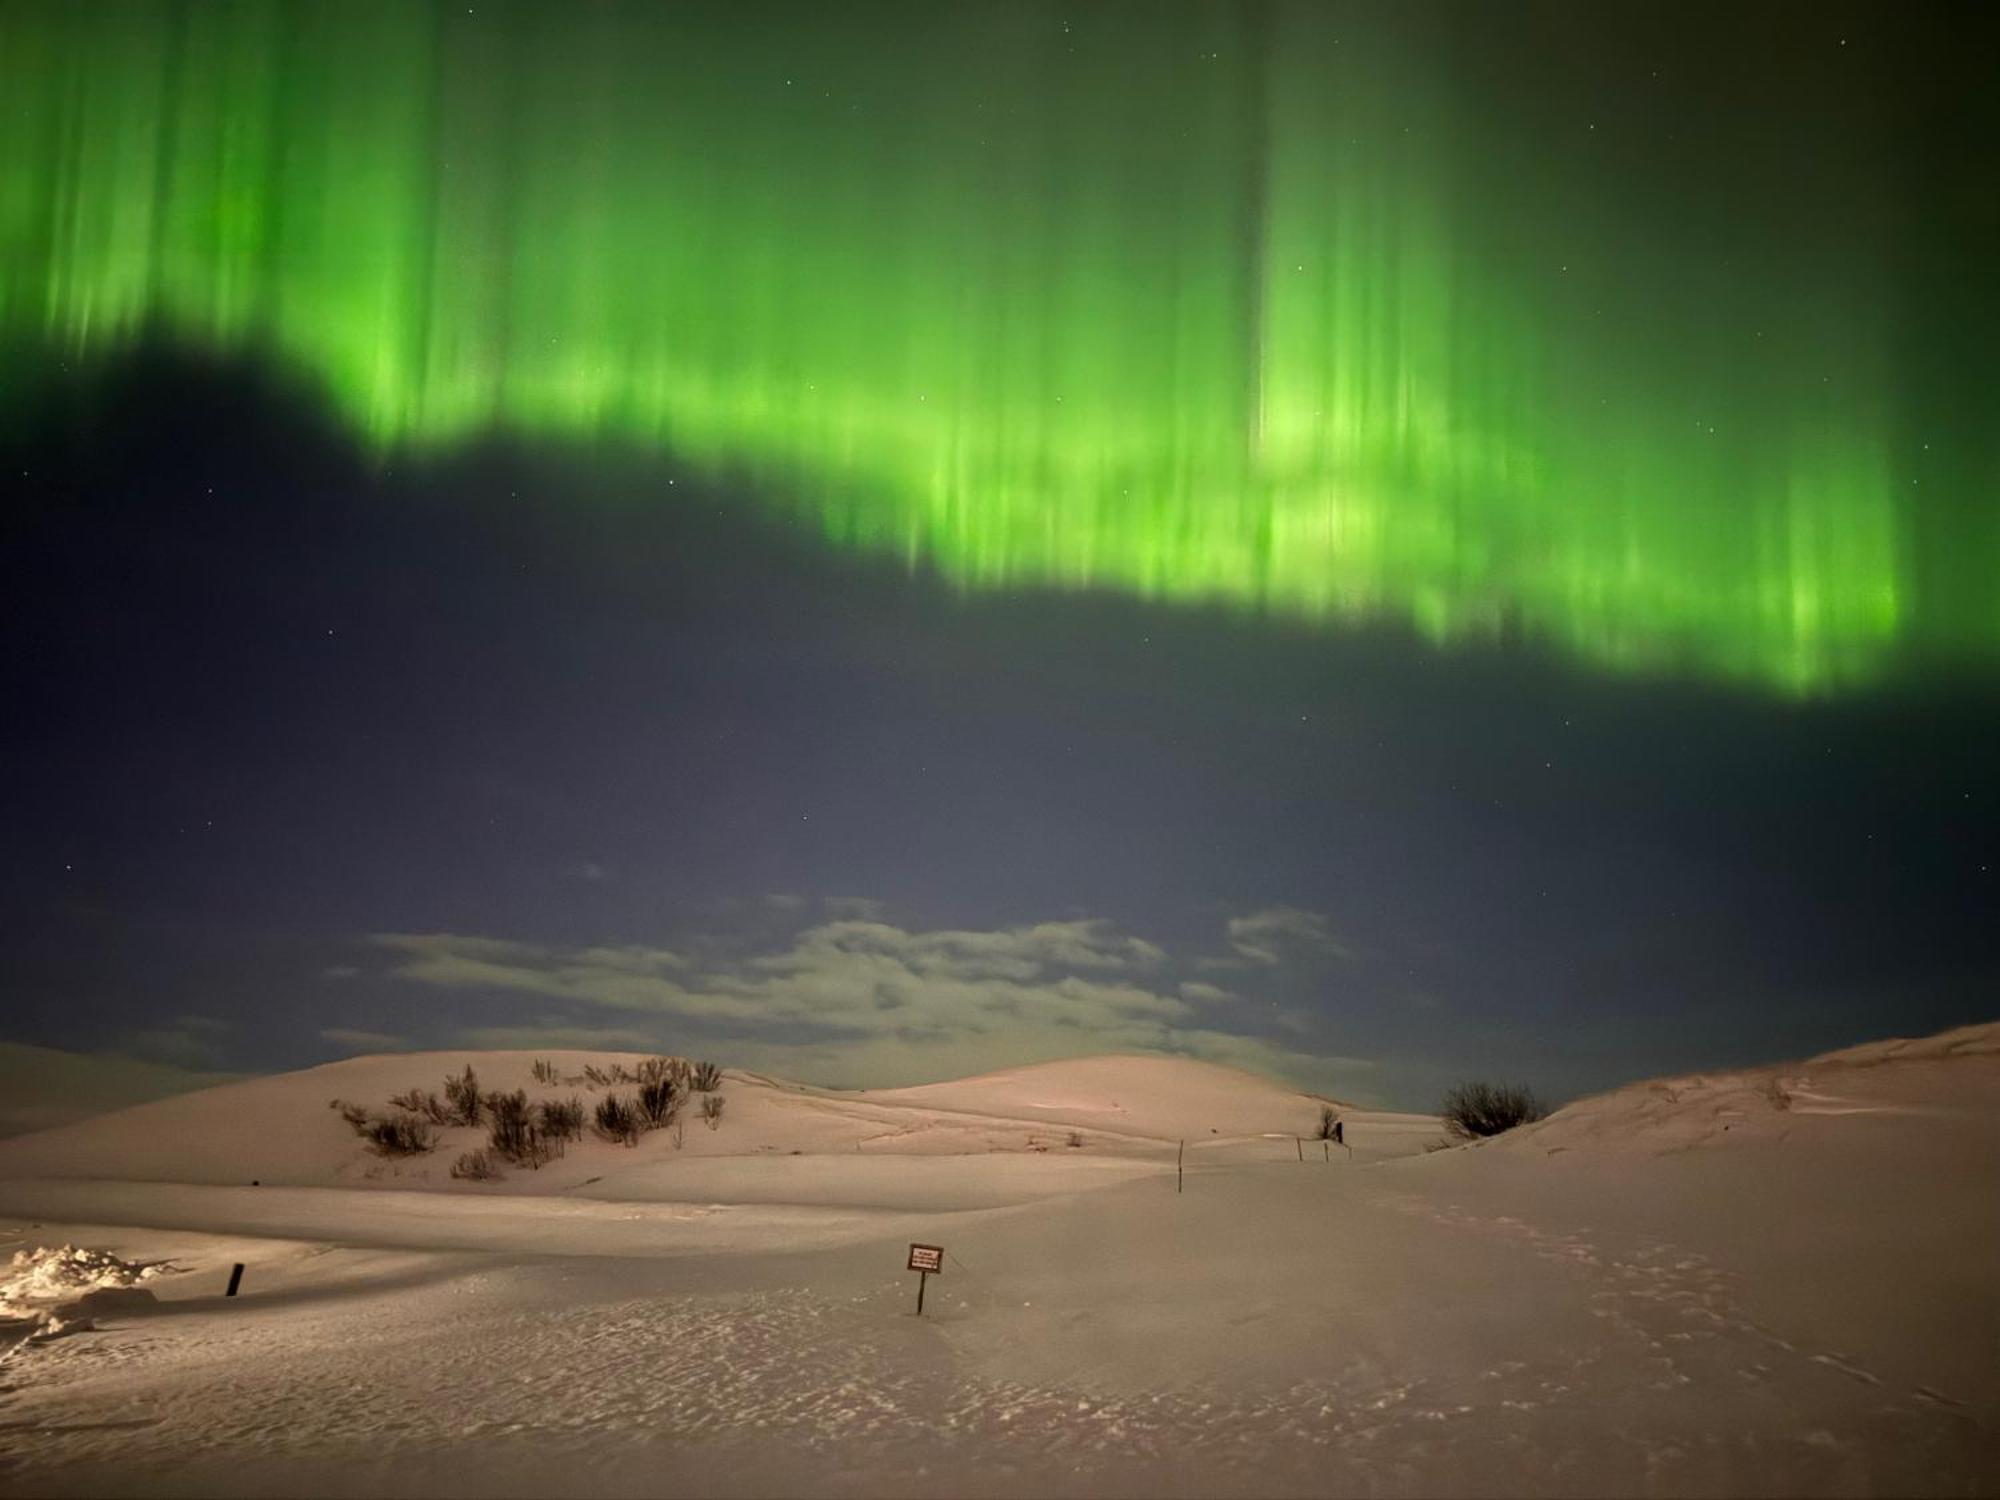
544, 1071
1074, 1138
477, 1166
399, 1135
462, 1090
618, 1119
659, 1102
653, 1069
424, 1102
512, 1132
355, 1116
707, 1077
560, 1119
1473, 1111
711, 1109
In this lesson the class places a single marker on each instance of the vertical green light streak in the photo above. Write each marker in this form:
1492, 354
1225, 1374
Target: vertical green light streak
1206, 308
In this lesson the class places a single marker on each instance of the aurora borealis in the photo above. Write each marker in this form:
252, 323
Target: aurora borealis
1258, 305
1378, 542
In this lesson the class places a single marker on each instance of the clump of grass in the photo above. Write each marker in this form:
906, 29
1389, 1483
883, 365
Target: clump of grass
462, 1090
545, 1072
619, 1120
1074, 1138
1473, 1111
706, 1078
711, 1110
476, 1166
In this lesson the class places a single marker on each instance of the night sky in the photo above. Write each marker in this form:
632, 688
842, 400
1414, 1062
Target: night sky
1379, 545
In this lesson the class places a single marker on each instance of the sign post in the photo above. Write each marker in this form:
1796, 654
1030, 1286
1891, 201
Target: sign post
927, 1261
235, 1279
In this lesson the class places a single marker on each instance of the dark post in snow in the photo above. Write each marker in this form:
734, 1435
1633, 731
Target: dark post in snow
1180, 1169
927, 1261
1301, 1147
235, 1280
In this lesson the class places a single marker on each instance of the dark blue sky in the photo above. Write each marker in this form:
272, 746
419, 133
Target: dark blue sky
500, 748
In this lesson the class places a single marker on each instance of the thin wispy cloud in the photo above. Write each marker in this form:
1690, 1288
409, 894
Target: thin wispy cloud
1276, 933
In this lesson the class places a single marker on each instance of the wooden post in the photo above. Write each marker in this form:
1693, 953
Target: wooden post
235, 1280
922, 1277
1180, 1169
1326, 1150
1301, 1145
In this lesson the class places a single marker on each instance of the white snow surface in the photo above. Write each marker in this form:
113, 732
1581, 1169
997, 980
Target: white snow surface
1770, 1281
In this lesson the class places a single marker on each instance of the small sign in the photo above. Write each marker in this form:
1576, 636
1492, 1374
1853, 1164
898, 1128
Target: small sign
927, 1258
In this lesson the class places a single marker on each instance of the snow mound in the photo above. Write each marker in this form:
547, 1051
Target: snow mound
62, 1273
1157, 1098
47, 1292
1953, 1073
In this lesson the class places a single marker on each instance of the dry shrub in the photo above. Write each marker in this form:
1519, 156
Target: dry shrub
545, 1072
1327, 1120
512, 1131
711, 1110
706, 1078
462, 1090
424, 1102
619, 1120
560, 1119
659, 1101
476, 1166
399, 1135
355, 1116
1473, 1111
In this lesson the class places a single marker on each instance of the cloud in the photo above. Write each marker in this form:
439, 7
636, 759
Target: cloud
189, 1042
363, 1041
858, 1001
1205, 994
1265, 937
853, 908
556, 1036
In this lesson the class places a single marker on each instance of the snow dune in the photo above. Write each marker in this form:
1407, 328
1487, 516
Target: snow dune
1768, 1281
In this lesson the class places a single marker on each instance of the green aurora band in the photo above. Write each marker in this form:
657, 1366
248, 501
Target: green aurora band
1232, 305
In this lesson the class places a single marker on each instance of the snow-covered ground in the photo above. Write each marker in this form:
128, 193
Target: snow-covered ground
1784, 1281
